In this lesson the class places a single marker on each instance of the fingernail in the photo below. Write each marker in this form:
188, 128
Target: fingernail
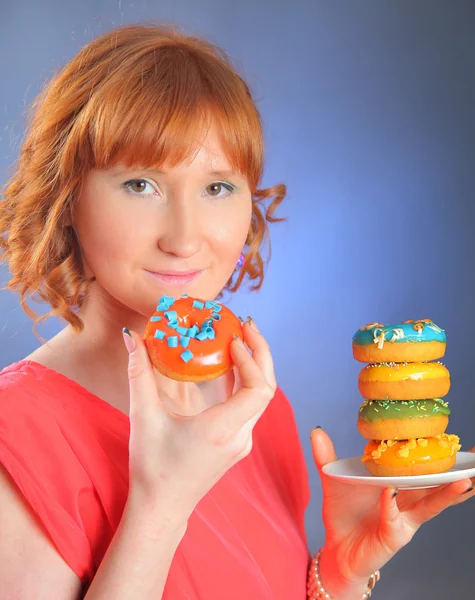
469, 490
128, 340
252, 323
239, 341
395, 493
241, 319
314, 429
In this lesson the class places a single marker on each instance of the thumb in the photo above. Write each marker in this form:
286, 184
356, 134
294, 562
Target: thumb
393, 533
322, 448
389, 509
142, 382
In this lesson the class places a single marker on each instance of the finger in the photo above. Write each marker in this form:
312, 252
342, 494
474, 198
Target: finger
260, 350
250, 374
142, 384
254, 395
237, 381
468, 493
322, 448
389, 509
433, 504
393, 532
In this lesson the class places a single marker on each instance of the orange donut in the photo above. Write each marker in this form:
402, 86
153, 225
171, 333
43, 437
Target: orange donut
404, 381
422, 456
189, 339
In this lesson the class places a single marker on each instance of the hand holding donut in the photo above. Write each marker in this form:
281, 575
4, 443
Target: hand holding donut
366, 527
175, 460
405, 419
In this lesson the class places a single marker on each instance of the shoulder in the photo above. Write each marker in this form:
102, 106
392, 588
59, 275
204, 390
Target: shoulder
68, 462
30, 566
28, 527
36, 438
16, 393
20, 382
30, 405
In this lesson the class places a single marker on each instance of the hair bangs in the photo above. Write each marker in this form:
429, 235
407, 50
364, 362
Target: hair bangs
154, 118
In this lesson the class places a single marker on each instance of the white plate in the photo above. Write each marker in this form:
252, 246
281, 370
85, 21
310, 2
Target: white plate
354, 472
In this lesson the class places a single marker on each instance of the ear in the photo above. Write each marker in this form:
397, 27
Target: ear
66, 217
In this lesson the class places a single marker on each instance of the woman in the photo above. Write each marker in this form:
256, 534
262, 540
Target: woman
139, 177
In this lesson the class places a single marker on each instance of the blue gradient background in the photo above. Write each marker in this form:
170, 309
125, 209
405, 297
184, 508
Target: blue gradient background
368, 110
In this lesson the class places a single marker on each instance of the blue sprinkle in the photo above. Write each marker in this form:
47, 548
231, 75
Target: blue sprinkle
214, 305
173, 341
173, 324
156, 318
193, 331
198, 304
186, 356
159, 334
206, 324
171, 315
184, 341
210, 333
202, 336
215, 317
182, 330
165, 302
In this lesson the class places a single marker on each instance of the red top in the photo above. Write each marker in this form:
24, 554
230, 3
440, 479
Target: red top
67, 451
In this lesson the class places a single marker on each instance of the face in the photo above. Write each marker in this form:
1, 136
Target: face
146, 233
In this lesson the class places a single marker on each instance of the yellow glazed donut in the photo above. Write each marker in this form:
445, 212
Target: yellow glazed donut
404, 342
423, 456
402, 419
404, 381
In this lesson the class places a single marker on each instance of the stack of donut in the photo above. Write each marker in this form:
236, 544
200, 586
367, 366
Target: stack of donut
404, 415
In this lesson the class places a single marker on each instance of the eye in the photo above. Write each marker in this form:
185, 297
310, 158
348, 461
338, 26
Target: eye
216, 187
140, 185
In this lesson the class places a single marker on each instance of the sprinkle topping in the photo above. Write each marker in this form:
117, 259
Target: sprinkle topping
181, 335
422, 330
186, 356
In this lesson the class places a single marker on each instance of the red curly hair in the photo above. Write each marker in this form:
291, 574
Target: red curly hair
142, 95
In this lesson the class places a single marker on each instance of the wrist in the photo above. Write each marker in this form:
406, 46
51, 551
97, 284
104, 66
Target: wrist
335, 583
336, 579
155, 519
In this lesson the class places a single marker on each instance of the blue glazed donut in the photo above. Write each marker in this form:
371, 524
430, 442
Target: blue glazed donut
410, 341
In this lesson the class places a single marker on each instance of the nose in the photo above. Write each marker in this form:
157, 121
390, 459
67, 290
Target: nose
181, 235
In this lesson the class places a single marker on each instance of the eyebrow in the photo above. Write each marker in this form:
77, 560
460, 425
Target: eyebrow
224, 173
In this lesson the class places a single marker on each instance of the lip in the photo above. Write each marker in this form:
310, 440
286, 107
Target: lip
175, 277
